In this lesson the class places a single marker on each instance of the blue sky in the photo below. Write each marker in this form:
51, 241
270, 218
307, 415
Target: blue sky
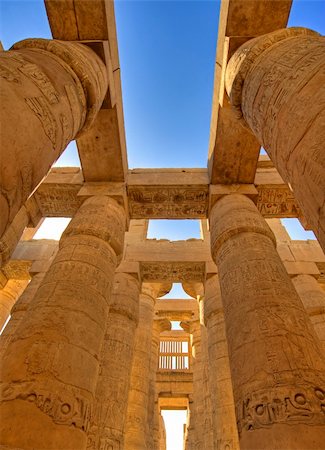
167, 52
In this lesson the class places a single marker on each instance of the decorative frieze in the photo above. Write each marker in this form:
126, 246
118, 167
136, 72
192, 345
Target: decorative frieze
172, 271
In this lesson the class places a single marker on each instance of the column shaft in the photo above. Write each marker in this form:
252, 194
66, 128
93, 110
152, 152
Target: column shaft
313, 298
50, 367
137, 416
107, 428
50, 91
159, 325
277, 368
8, 297
18, 311
223, 407
276, 82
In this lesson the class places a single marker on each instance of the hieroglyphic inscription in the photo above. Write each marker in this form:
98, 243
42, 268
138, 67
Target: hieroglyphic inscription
66, 407
182, 271
276, 202
58, 200
168, 201
42, 82
41, 109
17, 269
282, 405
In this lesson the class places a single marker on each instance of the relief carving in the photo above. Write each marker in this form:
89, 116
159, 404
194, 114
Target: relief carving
64, 408
276, 202
41, 109
182, 271
282, 405
168, 201
42, 82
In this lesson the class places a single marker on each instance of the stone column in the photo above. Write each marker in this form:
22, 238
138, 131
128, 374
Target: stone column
8, 297
136, 429
313, 298
162, 441
50, 92
50, 367
18, 311
222, 399
196, 290
107, 428
276, 83
277, 369
159, 325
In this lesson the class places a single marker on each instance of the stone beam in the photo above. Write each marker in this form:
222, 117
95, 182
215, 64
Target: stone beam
102, 149
165, 193
233, 150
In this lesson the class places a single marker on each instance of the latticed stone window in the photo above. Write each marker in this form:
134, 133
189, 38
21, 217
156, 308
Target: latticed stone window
174, 354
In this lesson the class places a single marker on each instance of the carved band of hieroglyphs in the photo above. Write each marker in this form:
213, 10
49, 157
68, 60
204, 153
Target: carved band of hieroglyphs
168, 201
276, 202
41, 81
182, 271
287, 405
66, 408
41, 109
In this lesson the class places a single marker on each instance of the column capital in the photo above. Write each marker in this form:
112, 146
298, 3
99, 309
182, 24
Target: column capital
102, 217
89, 70
232, 215
155, 290
195, 289
243, 59
160, 325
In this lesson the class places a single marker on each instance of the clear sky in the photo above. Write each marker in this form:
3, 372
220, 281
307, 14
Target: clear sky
167, 53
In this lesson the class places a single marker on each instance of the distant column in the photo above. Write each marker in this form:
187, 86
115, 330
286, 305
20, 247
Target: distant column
50, 368
50, 92
8, 297
159, 325
107, 427
223, 407
313, 298
277, 367
276, 83
136, 428
162, 442
18, 311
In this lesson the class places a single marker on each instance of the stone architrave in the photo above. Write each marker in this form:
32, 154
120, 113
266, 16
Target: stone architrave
8, 297
136, 429
159, 325
107, 427
276, 83
313, 298
277, 367
222, 399
50, 368
18, 311
51, 92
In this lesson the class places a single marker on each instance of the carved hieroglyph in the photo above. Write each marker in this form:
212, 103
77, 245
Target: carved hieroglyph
172, 202
50, 367
173, 271
277, 367
57, 89
107, 425
276, 82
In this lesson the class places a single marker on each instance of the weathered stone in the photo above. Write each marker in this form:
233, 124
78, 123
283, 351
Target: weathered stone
276, 364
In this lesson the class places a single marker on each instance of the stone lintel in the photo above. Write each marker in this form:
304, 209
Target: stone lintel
233, 150
181, 193
159, 272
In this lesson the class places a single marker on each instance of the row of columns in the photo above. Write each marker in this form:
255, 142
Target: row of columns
51, 368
